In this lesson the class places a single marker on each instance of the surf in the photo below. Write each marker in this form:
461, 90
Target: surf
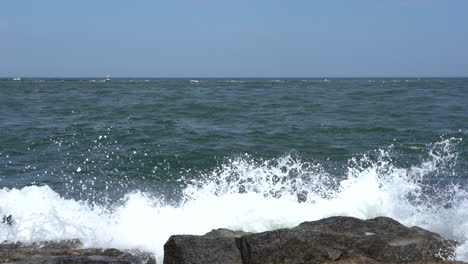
244, 193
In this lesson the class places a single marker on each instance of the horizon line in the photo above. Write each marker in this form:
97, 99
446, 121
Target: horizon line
223, 77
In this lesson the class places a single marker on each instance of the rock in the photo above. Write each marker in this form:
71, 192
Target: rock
8, 220
200, 249
330, 240
226, 233
68, 251
381, 239
216, 246
364, 260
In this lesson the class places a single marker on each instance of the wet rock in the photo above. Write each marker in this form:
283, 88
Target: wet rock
68, 251
365, 260
216, 246
330, 240
8, 220
226, 233
381, 239
200, 249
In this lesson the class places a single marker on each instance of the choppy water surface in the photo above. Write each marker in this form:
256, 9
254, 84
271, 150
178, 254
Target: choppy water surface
129, 162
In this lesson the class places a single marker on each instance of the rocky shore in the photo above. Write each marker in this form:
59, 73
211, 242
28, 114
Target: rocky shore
330, 240
68, 251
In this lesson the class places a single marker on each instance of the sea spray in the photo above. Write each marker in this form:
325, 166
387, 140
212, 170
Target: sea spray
253, 195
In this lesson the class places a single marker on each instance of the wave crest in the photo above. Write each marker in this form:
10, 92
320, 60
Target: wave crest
255, 195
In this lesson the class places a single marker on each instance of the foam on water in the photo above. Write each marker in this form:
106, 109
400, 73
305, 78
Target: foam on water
251, 195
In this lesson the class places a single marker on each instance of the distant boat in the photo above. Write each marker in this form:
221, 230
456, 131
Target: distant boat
17, 79
108, 78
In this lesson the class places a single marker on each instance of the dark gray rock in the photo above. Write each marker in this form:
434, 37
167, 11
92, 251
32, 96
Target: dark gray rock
216, 246
330, 240
381, 239
68, 251
226, 233
201, 250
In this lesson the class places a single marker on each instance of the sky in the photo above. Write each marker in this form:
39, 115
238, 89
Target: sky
234, 38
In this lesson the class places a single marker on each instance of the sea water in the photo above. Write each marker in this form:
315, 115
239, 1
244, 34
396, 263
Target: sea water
128, 163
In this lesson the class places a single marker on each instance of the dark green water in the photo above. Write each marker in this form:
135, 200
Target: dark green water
140, 133
88, 159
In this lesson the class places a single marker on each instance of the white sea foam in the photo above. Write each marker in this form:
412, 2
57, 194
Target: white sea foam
235, 81
250, 195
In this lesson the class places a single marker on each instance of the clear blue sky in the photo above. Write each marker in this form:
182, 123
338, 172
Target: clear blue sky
233, 38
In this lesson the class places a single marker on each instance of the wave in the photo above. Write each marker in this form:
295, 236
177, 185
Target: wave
252, 195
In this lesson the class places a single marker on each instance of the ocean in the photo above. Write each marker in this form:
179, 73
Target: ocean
129, 162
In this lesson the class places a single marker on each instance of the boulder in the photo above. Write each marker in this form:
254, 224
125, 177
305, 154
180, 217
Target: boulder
329, 240
217, 246
68, 251
381, 239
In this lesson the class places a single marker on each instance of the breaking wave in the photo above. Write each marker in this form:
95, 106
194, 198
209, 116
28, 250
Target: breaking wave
249, 194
